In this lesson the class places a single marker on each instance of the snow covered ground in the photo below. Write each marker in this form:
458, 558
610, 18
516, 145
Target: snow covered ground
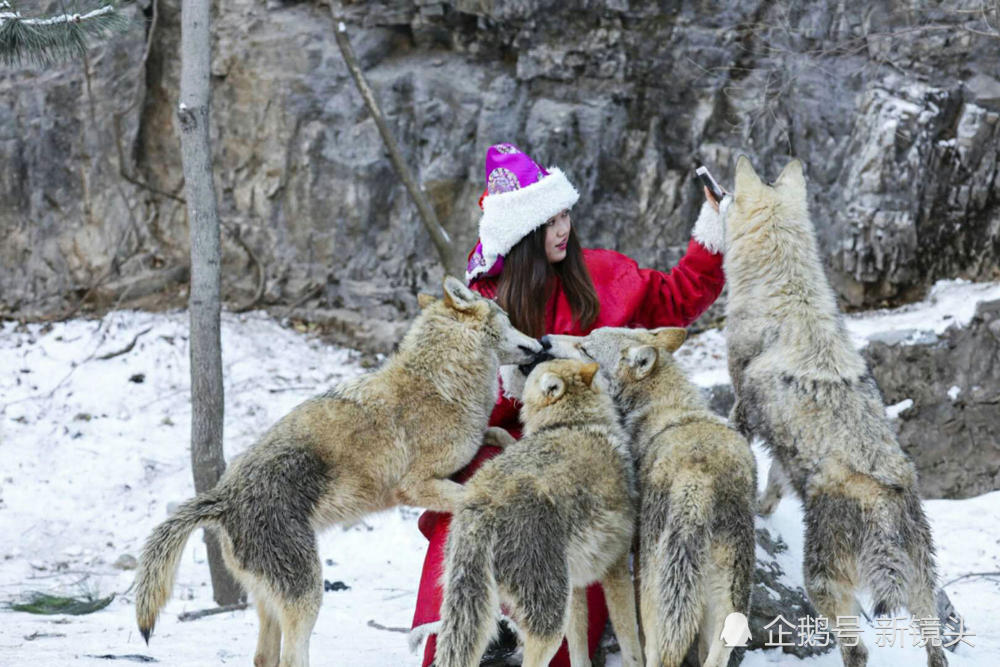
92, 451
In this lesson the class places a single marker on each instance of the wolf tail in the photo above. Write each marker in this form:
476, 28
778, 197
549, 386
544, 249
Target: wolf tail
471, 600
161, 554
681, 551
886, 563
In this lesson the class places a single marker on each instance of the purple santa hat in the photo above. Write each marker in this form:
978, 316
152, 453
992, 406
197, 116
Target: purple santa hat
520, 195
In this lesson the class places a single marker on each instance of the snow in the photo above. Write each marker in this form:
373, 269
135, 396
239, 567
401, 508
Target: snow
893, 411
954, 392
950, 302
55, 20
91, 458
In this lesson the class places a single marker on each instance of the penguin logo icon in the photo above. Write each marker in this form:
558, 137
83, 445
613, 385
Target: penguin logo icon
735, 630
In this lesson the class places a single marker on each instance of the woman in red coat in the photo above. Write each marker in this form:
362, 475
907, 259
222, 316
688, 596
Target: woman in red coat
529, 260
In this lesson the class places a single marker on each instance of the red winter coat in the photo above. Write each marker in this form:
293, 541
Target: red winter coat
630, 297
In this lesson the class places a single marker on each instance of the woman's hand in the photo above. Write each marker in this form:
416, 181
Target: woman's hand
711, 199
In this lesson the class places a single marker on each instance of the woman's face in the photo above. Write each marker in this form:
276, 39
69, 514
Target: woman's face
557, 236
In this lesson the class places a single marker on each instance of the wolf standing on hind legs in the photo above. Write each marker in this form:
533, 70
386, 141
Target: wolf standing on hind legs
806, 392
697, 479
552, 514
393, 436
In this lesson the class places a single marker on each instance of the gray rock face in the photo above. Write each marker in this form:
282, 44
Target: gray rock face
894, 111
951, 429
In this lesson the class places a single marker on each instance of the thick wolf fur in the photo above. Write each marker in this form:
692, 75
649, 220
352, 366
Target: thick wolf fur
806, 392
393, 436
697, 479
550, 515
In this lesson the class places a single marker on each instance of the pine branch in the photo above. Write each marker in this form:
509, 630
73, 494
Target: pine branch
46, 40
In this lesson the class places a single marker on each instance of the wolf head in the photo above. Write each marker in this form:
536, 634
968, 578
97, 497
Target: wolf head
480, 316
626, 356
757, 206
563, 390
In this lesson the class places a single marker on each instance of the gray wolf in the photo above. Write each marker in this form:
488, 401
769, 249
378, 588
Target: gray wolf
551, 514
806, 392
697, 480
392, 436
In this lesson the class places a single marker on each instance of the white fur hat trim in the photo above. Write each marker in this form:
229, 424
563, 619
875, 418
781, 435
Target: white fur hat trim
510, 216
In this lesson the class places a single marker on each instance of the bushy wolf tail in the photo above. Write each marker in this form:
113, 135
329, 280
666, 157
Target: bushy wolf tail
886, 560
471, 601
161, 554
681, 552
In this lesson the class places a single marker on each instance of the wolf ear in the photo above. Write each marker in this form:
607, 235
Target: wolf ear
457, 295
587, 373
552, 386
792, 176
670, 338
747, 179
424, 300
642, 359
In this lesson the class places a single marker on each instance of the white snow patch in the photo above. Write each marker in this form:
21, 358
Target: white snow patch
954, 392
950, 302
893, 411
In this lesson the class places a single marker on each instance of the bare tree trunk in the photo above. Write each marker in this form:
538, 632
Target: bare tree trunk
204, 303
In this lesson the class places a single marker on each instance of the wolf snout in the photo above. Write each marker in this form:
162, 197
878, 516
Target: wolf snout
530, 350
546, 342
538, 358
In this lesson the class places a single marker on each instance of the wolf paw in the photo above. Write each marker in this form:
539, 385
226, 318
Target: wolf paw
768, 503
497, 437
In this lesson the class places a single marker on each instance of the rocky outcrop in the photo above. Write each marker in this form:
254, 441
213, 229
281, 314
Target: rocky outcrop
951, 415
893, 109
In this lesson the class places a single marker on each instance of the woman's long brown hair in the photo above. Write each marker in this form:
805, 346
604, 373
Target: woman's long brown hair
527, 280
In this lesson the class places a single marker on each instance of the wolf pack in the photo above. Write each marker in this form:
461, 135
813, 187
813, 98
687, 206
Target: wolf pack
623, 476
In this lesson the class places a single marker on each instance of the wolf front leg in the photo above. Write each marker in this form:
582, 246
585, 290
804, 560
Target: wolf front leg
498, 437
440, 495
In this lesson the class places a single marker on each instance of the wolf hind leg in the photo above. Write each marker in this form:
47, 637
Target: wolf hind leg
923, 580
921, 606
289, 592
268, 649
539, 650
712, 650
268, 637
543, 604
833, 526
576, 633
620, 595
297, 618
648, 612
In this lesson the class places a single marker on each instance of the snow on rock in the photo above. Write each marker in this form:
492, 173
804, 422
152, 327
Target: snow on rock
950, 302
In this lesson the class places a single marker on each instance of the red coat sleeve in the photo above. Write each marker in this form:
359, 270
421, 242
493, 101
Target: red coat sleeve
676, 298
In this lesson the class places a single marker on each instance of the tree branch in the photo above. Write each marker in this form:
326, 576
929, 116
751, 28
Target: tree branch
43, 40
445, 248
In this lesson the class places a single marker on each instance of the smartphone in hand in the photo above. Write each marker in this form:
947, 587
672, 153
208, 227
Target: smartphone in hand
713, 186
